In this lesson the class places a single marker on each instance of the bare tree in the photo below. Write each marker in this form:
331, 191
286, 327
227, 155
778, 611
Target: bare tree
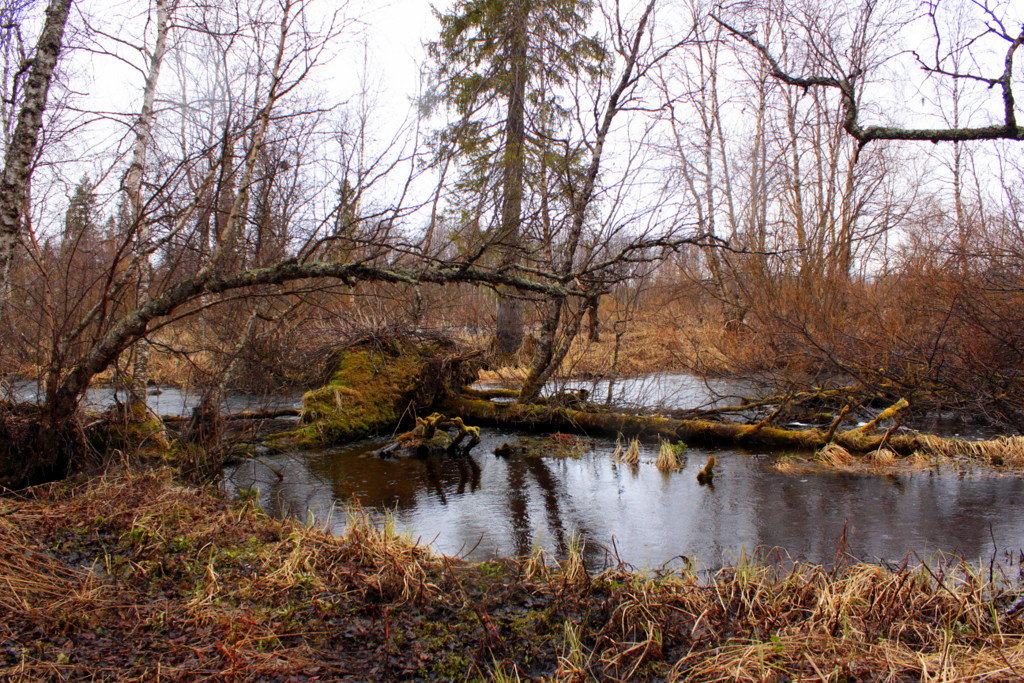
847, 77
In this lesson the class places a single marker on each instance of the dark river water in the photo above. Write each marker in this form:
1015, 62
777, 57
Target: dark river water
495, 507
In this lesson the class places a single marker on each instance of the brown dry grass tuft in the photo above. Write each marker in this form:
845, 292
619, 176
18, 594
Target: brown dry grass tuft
668, 457
882, 457
834, 455
1005, 450
630, 455
648, 345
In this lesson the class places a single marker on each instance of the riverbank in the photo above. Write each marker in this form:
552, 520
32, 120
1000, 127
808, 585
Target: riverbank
136, 576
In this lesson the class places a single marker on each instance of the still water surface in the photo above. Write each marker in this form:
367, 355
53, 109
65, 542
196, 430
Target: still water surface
494, 507
491, 507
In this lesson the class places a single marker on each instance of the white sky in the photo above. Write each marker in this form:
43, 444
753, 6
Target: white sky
390, 33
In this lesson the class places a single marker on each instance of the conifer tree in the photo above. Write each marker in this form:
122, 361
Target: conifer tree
499, 66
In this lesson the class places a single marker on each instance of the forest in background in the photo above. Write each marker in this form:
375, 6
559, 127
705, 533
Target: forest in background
815, 195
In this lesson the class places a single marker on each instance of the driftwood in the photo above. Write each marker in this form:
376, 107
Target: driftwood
431, 436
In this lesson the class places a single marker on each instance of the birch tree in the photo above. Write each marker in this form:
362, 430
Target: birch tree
20, 153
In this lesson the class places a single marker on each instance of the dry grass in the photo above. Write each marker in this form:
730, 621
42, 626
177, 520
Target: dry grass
880, 461
139, 578
834, 455
629, 455
668, 457
1003, 451
1003, 454
648, 345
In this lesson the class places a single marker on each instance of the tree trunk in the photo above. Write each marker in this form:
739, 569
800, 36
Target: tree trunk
133, 190
548, 356
14, 182
474, 407
509, 322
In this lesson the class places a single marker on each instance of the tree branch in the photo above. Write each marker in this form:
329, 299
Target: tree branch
1007, 130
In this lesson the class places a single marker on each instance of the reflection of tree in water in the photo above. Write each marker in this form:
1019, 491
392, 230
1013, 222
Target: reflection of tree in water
537, 469
518, 500
468, 474
886, 517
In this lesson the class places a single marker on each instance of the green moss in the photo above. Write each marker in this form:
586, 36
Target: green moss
134, 429
374, 386
367, 393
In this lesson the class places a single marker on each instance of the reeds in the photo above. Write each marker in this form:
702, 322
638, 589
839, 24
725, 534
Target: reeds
629, 455
668, 456
1006, 450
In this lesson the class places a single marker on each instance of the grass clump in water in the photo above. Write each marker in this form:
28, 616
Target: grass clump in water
669, 456
630, 455
550, 446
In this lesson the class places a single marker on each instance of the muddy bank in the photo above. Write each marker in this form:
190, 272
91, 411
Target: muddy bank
137, 576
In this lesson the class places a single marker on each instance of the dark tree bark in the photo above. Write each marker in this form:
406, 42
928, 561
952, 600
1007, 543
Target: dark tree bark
509, 323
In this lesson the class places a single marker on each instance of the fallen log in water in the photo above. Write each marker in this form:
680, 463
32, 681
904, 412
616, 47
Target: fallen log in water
243, 415
377, 384
476, 406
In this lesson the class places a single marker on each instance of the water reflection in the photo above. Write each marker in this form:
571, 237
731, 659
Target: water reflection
492, 507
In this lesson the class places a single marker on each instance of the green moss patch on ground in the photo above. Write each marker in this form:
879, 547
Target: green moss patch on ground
138, 577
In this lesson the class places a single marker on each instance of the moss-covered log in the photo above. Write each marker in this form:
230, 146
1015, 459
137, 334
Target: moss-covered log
859, 440
376, 384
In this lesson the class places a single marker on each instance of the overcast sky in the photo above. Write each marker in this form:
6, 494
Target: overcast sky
391, 35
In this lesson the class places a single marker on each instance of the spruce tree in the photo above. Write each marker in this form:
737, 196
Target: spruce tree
500, 66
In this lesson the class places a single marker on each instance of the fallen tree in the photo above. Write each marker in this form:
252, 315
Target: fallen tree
378, 384
480, 408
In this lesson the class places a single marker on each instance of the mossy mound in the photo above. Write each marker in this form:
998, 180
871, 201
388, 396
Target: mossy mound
131, 427
377, 384
555, 445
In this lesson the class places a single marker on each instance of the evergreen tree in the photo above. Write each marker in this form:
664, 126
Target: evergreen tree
500, 66
80, 217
